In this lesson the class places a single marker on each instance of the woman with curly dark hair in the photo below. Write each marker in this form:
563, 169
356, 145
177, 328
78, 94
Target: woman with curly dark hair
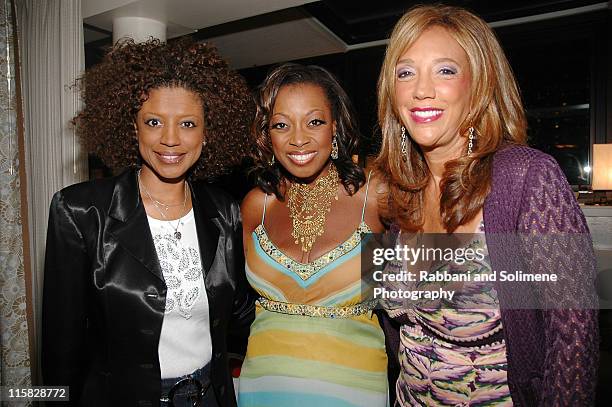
143, 273
314, 341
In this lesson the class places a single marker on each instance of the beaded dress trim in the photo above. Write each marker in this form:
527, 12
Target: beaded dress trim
307, 270
316, 310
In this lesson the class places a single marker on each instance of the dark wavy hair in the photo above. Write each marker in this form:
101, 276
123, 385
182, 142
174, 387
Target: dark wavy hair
270, 177
114, 90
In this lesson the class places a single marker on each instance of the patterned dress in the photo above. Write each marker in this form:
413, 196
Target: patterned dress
455, 356
313, 343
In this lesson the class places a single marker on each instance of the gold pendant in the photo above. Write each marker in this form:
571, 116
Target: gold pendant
309, 205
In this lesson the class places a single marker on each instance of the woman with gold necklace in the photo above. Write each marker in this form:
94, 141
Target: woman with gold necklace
313, 342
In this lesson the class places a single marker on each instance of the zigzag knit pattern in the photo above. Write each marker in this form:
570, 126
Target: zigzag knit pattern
533, 223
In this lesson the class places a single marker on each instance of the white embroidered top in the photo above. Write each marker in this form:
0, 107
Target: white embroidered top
185, 344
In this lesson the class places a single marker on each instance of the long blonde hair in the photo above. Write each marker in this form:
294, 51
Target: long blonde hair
496, 113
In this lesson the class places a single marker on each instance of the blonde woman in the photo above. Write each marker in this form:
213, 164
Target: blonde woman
454, 157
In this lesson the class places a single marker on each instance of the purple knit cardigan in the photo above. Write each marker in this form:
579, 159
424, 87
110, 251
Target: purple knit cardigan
552, 354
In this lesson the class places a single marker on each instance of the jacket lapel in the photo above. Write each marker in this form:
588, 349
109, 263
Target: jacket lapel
208, 233
129, 224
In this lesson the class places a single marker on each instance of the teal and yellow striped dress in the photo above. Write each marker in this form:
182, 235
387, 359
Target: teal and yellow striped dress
312, 342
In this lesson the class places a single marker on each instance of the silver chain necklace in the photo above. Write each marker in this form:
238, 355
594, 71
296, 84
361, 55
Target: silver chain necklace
160, 206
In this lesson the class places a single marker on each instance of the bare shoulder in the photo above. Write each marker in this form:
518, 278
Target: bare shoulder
379, 184
376, 190
251, 209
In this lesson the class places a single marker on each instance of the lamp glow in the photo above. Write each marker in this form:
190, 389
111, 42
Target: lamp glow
602, 167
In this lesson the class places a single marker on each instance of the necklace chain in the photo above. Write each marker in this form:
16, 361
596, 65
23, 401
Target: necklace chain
309, 205
161, 207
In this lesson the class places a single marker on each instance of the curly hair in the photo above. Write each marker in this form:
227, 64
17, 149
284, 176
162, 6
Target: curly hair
270, 177
496, 114
114, 90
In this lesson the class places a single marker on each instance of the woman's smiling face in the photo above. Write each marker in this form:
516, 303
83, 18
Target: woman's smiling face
301, 129
170, 128
432, 89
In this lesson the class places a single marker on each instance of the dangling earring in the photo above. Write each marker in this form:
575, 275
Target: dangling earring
470, 140
272, 161
334, 151
203, 143
404, 144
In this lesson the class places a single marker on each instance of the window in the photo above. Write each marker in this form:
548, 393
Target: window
559, 65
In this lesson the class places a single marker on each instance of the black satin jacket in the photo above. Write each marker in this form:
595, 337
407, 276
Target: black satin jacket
104, 292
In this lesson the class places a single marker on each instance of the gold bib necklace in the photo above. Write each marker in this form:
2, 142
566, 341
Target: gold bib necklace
309, 205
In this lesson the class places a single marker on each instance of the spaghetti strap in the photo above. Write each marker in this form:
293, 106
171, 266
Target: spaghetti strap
365, 201
263, 214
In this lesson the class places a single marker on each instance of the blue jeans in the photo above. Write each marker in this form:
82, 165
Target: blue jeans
192, 390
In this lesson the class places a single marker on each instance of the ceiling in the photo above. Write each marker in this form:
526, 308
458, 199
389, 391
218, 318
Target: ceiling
253, 33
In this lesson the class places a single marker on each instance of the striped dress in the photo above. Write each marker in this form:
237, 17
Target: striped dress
313, 343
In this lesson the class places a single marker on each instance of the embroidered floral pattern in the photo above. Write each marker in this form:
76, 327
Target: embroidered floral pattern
182, 270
